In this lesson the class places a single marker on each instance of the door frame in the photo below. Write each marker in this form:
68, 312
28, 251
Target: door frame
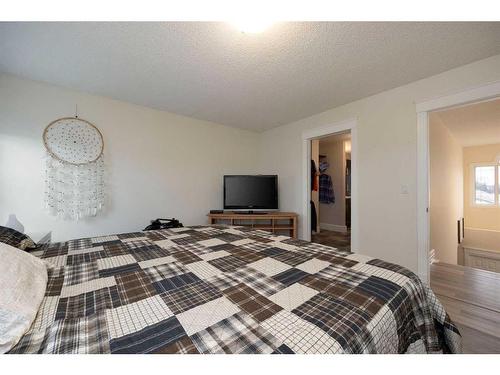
318, 133
423, 108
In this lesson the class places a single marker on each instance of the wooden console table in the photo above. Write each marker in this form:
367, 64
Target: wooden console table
274, 222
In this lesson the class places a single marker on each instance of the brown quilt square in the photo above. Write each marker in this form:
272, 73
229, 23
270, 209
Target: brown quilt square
186, 257
334, 259
228, 263
134, 286
55, 283
115, 248
253, 303
247, 255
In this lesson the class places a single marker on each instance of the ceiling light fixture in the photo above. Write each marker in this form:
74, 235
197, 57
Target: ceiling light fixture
252, 26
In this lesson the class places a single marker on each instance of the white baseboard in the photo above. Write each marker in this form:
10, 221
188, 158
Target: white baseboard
333, 227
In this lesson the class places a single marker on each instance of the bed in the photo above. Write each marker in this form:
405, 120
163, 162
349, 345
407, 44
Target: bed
223, 289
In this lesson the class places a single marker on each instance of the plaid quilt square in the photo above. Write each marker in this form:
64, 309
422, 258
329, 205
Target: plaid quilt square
175, 282
79, 273
238, 334
104, 239
164, 271
273, 251
291, 276
336, 260
118, 270
80, 244
229, 237
393, 267
256, 280
219, 245
156, 235
133, 317
186, 257
151, 339
90, 257
148, 252
66, 336
292, 258
223, 281
344, 322
299, 335
228, 264
186, 239
256, 246
382, 289
115, 248
132, 235
283, 349
55, 282
256, 305
184, 345
54, 250
338, 274
248, 256
194, 248
189, 296
89, 303
134, 286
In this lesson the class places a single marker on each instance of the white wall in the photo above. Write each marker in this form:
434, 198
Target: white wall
446, 190
159, 164
387, 138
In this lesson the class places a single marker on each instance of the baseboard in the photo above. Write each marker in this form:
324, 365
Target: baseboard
333, 227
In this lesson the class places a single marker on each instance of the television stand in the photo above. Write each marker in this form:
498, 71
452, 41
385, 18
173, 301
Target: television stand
274, 222
251, 212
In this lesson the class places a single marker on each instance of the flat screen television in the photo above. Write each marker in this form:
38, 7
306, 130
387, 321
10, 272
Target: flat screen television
247, 192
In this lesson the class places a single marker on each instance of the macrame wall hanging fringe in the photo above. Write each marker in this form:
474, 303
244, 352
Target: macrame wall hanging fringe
74, 168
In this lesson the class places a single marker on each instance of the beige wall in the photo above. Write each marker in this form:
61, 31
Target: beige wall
334, 214
387, 158
159, 164
479, 217
446, 188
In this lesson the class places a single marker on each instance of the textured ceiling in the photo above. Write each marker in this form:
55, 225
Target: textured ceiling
475, 124
213, 72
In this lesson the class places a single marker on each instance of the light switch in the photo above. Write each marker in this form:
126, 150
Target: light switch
404, 189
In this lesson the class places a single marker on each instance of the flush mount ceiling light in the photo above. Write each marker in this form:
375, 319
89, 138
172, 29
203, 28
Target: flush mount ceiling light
251, 25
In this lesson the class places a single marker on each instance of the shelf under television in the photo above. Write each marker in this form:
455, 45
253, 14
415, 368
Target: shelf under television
271, 221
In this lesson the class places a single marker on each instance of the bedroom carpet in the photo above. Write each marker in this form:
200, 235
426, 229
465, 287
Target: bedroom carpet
339, 240
471, 298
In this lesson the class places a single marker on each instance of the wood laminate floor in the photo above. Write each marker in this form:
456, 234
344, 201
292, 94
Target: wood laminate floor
339, 240
472, 299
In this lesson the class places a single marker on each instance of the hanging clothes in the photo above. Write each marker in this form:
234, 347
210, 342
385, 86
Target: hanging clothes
314, 177
323, 166
314, 223
326, 193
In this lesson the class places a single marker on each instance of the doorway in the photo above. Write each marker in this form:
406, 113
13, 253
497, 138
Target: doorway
331, 190
345, 234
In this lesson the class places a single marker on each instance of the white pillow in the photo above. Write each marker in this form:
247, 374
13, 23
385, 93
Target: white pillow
23, 281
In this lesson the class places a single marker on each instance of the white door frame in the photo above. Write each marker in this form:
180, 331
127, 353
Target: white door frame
321, 132
473, 95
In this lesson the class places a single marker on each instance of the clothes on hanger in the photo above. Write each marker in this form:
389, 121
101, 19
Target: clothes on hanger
323, 166
326, 193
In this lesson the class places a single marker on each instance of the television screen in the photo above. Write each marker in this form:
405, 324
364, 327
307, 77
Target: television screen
251, 192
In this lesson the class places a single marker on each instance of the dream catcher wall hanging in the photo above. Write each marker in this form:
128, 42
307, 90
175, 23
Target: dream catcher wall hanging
74, 168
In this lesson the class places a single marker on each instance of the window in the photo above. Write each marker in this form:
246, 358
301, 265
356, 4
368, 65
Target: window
486, 184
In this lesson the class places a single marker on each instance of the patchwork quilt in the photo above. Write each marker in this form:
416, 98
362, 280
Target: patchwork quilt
220, 289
